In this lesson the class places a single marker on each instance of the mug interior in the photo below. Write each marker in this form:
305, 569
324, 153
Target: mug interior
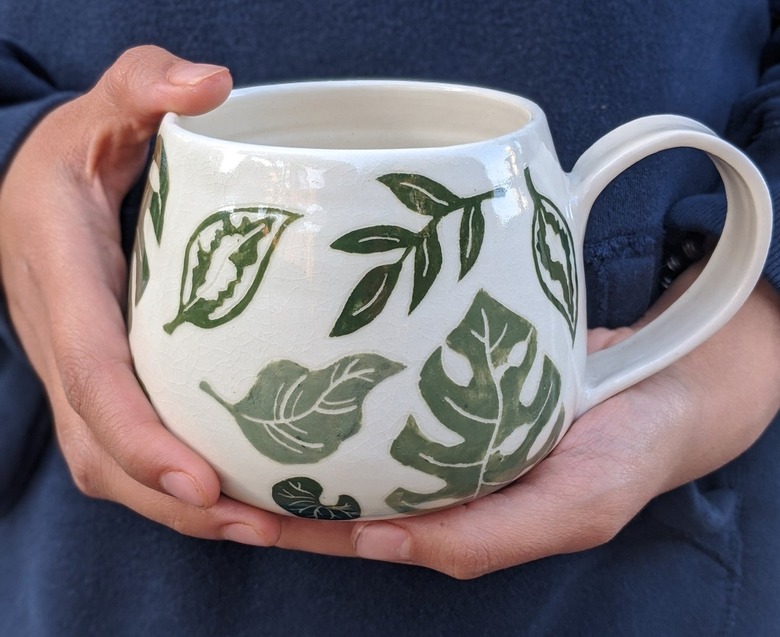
362, 115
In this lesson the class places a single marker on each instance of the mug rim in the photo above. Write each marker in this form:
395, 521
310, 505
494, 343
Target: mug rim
181, 125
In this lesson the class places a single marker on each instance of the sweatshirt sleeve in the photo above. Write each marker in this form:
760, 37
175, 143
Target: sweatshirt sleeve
754, 126
26, 95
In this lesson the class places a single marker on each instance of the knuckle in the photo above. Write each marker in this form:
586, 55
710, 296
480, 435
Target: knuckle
78, 373
133, 70
469, 560
85, 471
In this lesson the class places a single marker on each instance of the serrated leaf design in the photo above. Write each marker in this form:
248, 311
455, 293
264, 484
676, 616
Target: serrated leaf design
497, 429
296, 415
301, 497
553, 250
225, 261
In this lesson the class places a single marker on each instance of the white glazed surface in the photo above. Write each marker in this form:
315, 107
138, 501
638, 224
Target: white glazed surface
487, 140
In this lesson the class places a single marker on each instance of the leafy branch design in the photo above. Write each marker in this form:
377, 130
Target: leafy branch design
430, 199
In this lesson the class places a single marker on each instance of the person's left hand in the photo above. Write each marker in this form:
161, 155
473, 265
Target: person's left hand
680, 424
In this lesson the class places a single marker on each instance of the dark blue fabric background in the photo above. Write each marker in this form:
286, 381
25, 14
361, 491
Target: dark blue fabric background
702, 560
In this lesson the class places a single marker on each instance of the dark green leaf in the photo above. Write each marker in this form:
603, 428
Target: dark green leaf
375, 239
295, 415
301, 497
225, 261
553, 250
472, 234
368, 299
142, 272
159, 199
421, 194
427, 263
496, 428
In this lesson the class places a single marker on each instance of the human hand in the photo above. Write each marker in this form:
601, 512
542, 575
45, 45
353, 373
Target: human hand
678, 425
64, 276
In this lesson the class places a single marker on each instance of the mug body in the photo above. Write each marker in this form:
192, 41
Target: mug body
360, 299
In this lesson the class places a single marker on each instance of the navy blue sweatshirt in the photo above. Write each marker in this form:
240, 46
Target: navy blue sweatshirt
703, 559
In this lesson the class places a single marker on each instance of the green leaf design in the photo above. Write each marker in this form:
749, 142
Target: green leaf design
427, 263
368, 299
159, 199
142, 271
497, 429
553, 250
375, 239
225, 261
301, 497
421, 194
427, 197
295, 415
472, 234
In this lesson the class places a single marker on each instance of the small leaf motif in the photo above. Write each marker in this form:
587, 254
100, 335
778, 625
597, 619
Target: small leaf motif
368, 299
295, 415
153, 203
225, 261
159, 198
421, 194
427, 264
375, 239
553, 250
472, 234
497, 429
141, 266
301, 497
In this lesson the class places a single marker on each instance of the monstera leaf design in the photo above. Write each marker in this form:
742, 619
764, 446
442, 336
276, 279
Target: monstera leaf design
301, 497
553, 250
498, 430
295, 415
225, 261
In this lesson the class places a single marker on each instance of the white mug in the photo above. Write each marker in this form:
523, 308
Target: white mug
365, 299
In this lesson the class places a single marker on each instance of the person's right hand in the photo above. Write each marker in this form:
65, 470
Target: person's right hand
64, 277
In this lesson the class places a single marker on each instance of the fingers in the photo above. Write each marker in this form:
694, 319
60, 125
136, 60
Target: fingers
97, 475
567, 504
94, 375
64, 272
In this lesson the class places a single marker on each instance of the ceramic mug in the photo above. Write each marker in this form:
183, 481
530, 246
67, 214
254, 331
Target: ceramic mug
365, 298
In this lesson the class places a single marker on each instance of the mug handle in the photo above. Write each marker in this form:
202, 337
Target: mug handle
725, 282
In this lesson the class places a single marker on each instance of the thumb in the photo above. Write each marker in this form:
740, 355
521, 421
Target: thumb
146, 82
125, 107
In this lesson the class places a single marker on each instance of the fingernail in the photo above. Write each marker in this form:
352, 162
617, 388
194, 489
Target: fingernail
188, 74
383, 541
183, 487
244, 534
